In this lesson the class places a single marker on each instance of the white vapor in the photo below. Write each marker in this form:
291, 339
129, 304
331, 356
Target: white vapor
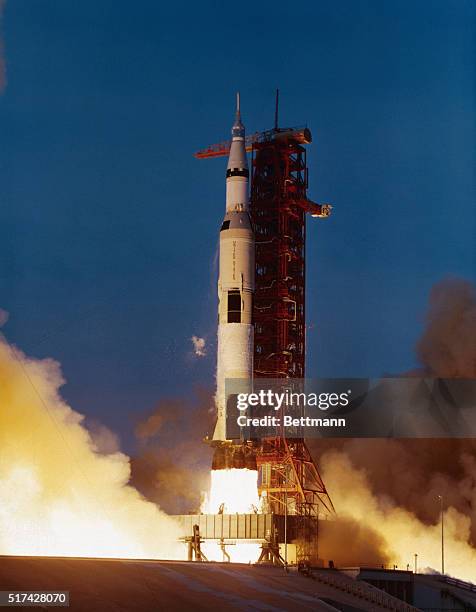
60, 494
199, 346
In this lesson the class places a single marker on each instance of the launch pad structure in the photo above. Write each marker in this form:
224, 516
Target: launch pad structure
269, 530
289, 479
289, 483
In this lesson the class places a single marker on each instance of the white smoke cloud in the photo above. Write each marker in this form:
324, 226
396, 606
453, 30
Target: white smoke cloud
199, 347
60, 495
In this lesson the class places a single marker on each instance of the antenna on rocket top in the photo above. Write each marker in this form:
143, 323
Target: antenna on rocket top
238, 105
276, 110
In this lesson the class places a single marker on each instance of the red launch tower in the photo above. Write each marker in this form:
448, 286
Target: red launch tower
278, 208
289, 479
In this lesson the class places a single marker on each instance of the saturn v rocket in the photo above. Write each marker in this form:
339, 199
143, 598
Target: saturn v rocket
235, 294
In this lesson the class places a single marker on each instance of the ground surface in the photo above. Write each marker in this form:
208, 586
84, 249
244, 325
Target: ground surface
125, 585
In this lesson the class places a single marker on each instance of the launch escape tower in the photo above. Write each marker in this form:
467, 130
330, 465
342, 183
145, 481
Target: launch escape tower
288, 477
289, 481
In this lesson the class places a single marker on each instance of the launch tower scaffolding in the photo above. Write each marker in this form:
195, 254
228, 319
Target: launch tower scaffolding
289, 478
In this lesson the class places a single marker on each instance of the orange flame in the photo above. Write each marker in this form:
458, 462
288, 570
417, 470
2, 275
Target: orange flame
232, 491
60, 496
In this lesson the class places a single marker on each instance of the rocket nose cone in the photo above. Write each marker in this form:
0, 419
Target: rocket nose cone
238, 129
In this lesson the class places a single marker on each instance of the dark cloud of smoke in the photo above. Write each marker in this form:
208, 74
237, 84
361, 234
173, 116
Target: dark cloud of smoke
3, 317
172, 464
346, 540
411, 473
447, 348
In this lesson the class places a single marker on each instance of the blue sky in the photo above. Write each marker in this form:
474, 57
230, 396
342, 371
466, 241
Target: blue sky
108, 225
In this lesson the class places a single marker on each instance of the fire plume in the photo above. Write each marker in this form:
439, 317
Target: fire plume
232, 491
60, 495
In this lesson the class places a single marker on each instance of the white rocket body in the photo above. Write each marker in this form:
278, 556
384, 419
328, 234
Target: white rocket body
236, 278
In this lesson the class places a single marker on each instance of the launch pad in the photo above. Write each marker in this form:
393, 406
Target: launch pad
262, 332
269, 530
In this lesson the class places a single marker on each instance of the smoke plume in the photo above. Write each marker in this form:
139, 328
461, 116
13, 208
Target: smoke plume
398, 531
391, 487
60, 495
172, 465
3, 317
199, 346
447, 348
350, 542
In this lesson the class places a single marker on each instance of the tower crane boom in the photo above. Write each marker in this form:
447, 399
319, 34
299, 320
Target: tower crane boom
301, 135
